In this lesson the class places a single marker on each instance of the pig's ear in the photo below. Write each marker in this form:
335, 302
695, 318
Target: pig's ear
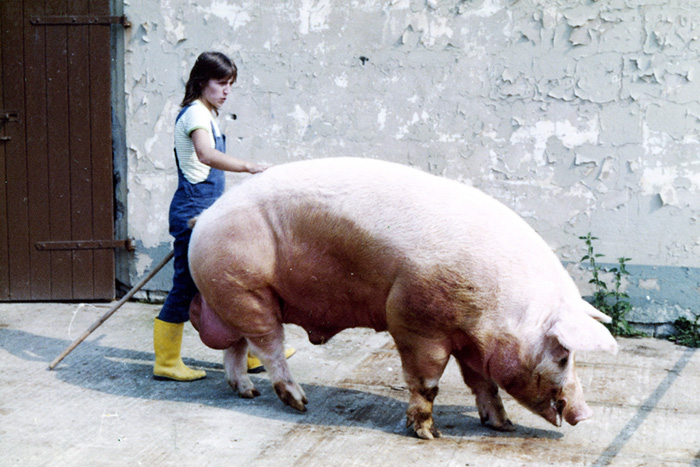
578, 331
593, 312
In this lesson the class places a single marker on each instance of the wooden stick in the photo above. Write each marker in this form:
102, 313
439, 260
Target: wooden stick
106, 316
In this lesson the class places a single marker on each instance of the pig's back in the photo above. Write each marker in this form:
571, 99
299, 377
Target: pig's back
407, 208
389, 201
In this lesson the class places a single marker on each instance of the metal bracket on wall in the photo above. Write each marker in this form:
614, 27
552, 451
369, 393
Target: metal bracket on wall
86, 245
79, 20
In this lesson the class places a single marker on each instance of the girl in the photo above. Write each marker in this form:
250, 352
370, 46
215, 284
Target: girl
201, 162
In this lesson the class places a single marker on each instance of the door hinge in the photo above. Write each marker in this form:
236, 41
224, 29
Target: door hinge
86, 245
8, 116
79, 20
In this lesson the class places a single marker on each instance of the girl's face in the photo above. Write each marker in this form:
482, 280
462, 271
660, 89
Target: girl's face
215, 92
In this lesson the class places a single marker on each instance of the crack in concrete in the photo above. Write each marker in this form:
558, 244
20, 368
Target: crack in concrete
647, 407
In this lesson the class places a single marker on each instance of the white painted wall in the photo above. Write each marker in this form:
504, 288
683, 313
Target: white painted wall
582, 116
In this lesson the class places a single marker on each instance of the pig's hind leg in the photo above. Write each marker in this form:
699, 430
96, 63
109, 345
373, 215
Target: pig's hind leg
270, 350
217, 335
491, 410
256, 312
236, 368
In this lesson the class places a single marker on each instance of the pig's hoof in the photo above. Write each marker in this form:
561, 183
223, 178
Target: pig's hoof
291, 394
425, 429
249, 394
494, 416
245, 389
428, 433
499, 425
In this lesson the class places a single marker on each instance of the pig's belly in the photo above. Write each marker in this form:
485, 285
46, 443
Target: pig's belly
326, 307
334, 275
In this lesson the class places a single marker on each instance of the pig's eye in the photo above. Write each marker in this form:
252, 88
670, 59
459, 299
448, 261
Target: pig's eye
564, 361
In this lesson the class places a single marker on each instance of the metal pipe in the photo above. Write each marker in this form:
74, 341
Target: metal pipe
111, 311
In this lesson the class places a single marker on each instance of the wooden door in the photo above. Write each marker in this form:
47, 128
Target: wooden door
56, 199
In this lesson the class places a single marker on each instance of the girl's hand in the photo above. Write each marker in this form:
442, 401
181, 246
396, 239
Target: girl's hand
209, 156
256, 168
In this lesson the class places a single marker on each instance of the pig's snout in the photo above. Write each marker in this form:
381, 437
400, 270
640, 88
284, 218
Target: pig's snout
559, 410
578, 413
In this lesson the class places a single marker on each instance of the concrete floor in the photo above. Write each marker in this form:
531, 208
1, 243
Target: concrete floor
101, 406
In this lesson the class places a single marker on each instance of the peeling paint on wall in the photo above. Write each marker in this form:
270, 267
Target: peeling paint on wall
582, 116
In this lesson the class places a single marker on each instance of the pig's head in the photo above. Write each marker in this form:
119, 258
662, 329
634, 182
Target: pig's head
536, 364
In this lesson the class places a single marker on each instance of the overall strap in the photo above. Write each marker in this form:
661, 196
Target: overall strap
182, 111
220, 140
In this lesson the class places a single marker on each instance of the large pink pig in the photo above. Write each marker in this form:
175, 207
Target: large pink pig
331, 244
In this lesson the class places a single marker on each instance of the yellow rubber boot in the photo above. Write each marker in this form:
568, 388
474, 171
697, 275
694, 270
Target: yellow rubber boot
167, 341
256, 366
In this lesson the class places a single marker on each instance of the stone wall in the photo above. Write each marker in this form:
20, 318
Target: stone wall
581, 116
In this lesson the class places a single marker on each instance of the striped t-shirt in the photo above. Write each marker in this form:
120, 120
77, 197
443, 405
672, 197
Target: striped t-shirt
196, 117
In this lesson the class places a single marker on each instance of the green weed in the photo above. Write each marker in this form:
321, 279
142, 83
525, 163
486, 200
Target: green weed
613, 302
688, 332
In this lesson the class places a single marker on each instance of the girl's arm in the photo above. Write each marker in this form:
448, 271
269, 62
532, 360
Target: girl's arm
217, 159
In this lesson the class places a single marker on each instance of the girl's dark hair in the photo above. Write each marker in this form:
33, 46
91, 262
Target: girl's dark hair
209, 65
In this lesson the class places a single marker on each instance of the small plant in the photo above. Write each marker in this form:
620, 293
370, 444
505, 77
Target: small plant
614, 303
688, 332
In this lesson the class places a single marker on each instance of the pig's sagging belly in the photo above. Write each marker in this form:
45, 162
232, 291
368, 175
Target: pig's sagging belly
324, 313
326, 285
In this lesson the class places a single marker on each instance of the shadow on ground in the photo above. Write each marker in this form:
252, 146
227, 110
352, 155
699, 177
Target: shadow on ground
128, 373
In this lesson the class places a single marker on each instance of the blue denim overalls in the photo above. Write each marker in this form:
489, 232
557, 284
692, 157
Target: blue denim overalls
189, 201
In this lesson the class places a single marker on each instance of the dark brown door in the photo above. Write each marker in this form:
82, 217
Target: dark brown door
56, 151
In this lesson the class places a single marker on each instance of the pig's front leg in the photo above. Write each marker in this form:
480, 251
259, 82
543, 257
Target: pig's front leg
491, 410
236, 368
270, 350
423, 362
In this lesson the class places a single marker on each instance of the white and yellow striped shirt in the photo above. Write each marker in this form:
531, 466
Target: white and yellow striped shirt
196, 117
